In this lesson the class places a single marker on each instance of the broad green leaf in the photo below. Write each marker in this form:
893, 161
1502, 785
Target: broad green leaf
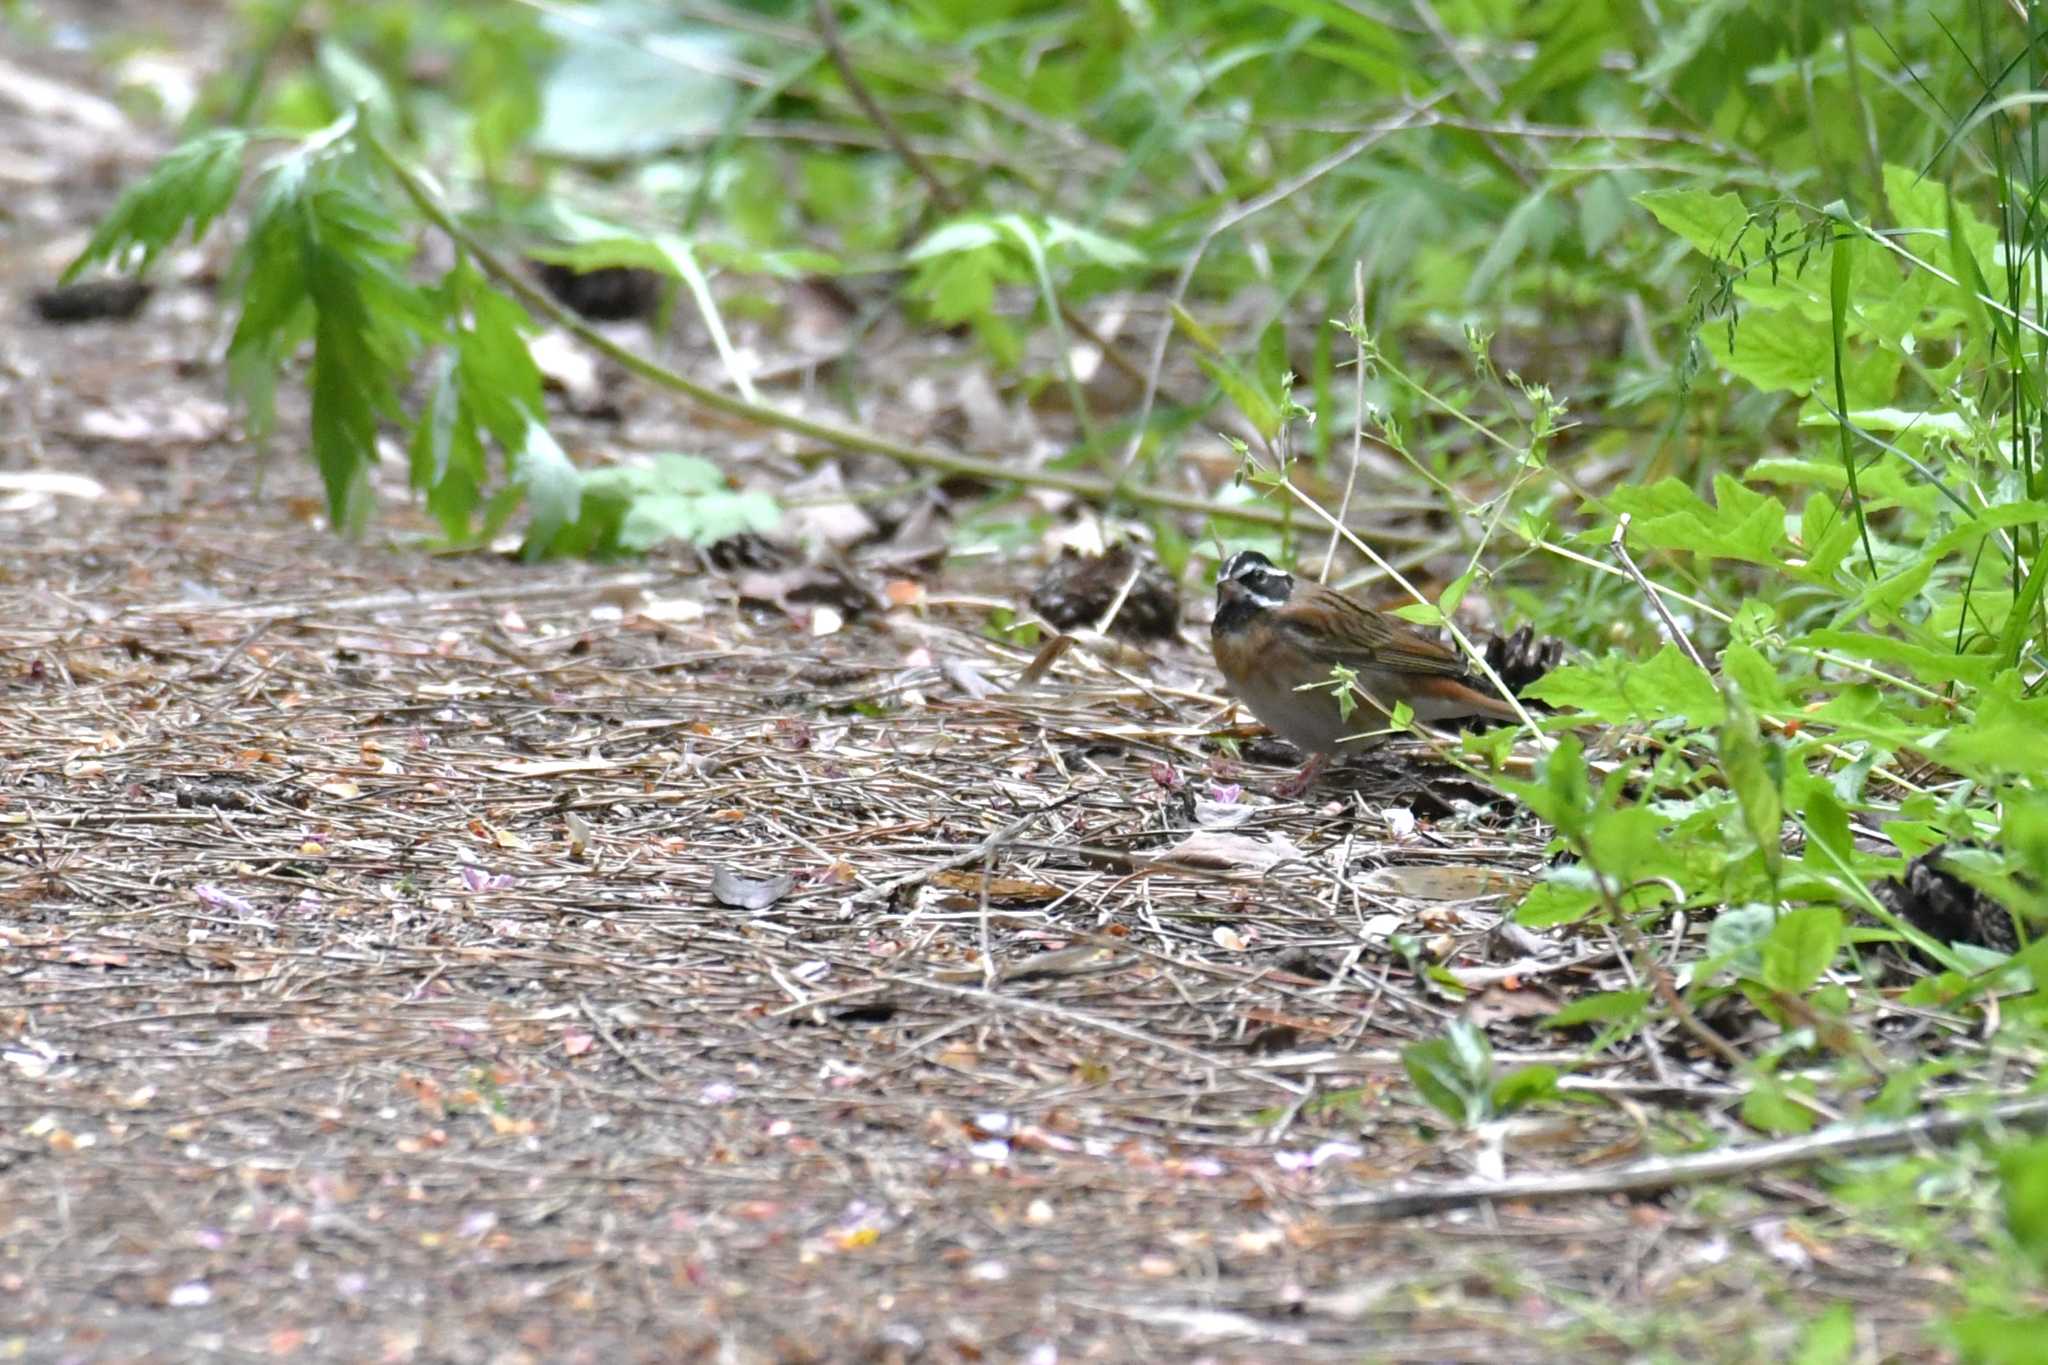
2008, 735
1551, 903
1601, 1008
1454, 1073
1827, 825
1736, 937
1800, 947
962, 234
613, 98
554, 489
1708, 222
1932, 666
1774, 349
1769, 1107
1618, 689
1745, 525
1524, 1086
2023, 1180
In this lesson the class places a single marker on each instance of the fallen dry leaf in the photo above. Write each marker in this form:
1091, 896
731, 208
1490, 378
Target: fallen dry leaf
1225, 852
999, 888
742, 892
1441, 883
1496, 1003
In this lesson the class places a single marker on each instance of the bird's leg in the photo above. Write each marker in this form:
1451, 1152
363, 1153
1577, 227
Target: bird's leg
1303, 780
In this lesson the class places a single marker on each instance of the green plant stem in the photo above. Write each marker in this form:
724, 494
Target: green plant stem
1092, 487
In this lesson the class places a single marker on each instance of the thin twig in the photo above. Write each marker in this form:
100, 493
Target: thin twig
1663, 1173
835, 47
1019, 1005
1618, 542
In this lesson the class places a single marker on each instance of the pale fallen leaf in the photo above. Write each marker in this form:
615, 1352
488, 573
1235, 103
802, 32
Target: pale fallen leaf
748, 893
1229, 939
673, 610
998, 888
37, 485
1496, 1003
1225, 852
552, 767
1446, 883
579, 832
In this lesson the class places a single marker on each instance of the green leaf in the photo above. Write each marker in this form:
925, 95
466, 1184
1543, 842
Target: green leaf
1737, 935
611, 98
2008, 735
1708, 222
554, 488
1829, 1339
1827, 826
948, 239
353, 83
1552, 902
191, 186
1255, 403
1617, 689
1524, 1086
1454, 1073
1770, 1108
1773, 348
628, 509
1600, 1008
2023, 1180
1741, 524
1800, 947
1755, 773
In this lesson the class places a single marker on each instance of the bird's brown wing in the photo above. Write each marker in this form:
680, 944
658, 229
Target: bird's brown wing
1337, 630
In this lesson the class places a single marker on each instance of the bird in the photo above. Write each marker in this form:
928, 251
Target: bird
1276, 640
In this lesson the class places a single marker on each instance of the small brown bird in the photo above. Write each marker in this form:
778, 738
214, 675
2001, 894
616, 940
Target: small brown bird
1276, 640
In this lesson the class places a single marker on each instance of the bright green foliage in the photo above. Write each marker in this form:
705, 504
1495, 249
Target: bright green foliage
190, 187
325, 262
1455, 1073
633, 508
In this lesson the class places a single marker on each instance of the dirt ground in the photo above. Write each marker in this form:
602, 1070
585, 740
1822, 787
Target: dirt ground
378, 980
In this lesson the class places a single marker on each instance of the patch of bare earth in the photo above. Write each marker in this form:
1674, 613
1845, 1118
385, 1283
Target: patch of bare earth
381, 978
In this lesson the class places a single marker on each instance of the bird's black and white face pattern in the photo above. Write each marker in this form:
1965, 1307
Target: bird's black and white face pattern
1257, 578
1246, 585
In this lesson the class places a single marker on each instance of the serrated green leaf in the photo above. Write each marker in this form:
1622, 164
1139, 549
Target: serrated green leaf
1741, 524
190, 187
1708, 222
2009, 733
1618, 689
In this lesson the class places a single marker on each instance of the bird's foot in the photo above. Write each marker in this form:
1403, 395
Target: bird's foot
1292, 787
